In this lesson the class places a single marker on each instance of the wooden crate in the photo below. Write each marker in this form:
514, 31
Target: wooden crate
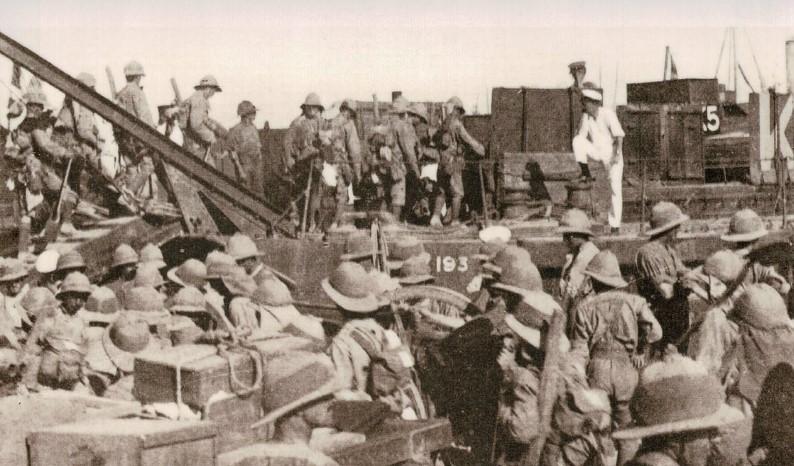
155, 376
398, 441
125, 442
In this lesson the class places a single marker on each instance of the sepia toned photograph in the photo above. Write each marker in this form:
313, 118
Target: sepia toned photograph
416, 233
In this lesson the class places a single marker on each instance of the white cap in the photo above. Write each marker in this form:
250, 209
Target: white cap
592, 94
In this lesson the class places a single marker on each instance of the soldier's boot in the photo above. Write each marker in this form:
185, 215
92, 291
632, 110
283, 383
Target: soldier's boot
67, 211
455, 211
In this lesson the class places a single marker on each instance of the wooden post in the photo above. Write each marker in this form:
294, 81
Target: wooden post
524, 125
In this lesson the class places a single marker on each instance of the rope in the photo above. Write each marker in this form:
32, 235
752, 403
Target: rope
246, 389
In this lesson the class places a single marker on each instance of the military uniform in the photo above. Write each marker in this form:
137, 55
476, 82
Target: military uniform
389, 168
139, 166
132, 99
199, 133
455, 141
572, 276
55, 351
657, 264
243, 140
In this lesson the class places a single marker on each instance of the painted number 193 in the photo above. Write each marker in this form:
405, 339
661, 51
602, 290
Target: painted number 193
450, 264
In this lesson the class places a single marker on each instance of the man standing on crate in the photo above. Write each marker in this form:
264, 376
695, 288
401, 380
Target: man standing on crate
600, 138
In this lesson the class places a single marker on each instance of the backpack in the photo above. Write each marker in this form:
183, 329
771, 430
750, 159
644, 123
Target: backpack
390, 369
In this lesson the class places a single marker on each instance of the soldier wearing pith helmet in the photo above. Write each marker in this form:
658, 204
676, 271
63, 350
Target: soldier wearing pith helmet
245, 148
301, 147
201, 130
122, 268
577, 233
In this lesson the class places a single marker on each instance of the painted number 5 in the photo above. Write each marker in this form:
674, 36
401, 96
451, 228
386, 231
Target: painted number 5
450, 264
711, 120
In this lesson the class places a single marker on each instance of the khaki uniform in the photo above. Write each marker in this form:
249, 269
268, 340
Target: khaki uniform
243, 313
139, 166
607, 332
405, 144
390, 169
348, 144
34, 140
350, 359
55, 351
243, 140
572, 276
200, 132
657, 264
300, 148
456, 140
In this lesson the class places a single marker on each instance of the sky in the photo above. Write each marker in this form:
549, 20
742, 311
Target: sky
274, 53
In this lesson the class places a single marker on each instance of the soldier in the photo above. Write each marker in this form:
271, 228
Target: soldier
13, 289
46, 166
149, 275
278, 312
76, 130
600, 138
56, 348
744, 231
454, 142
387, 170
428, 157
612, 331
122, 269
46, 265
363, 351
151, 253
245, 148
138, 164
659, 269
243, 249
679, 413
191, 273
577, 235
239, 287
405, 145
346, 139
493, 239
201, 131
70, 262
302, 146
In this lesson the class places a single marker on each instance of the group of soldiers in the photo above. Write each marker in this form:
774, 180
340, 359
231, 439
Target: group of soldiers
655, 377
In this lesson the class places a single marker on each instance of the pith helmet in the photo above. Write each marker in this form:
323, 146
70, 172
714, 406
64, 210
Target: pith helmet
72, 260
152, 254
208, 81
419, 109
12, 270
239, 283
677, 395
745, 225
87, 78
143, 299
123, 339
577, 65
665, 216
103, 301
605, 268
724, 265
575, 221
358, 246
404, 249
219, 264
124, 255
241, 247
271, 292
762, 307
75, 282
39, 98
415, 271
188, 299
47, 262
148, 274
532, 316
455, 102
192, 273
313, 100
245, 108
39, 302
133, 68
519, 277
351, 288
400, 105
349, 104
506, 256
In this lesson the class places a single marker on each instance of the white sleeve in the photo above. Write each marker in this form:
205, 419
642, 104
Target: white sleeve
614, 125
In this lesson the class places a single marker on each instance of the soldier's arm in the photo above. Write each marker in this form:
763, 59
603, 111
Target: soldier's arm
469, 140
583, 330
46, 146
198, 122
343, 364
651, 267
521, 418
407, 142
86, 127
768, 275
141, 107
288, 158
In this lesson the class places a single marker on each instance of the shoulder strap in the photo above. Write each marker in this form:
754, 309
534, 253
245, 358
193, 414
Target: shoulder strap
365, 343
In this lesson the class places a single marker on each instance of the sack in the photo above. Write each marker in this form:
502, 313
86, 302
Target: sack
390, 368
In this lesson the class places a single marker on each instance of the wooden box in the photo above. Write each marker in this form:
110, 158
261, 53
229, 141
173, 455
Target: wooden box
124, 442
203, 373
675, 91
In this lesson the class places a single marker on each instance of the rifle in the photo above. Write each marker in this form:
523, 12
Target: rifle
53, 225
177, 94
111, 83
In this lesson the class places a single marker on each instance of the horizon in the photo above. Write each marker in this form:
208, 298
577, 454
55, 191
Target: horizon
424, 49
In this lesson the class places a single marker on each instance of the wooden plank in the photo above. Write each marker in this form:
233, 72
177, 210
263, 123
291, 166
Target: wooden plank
203, 175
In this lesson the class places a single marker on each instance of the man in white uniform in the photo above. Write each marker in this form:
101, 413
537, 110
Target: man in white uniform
600, 138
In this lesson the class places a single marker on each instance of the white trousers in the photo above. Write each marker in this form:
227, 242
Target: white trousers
584, 149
